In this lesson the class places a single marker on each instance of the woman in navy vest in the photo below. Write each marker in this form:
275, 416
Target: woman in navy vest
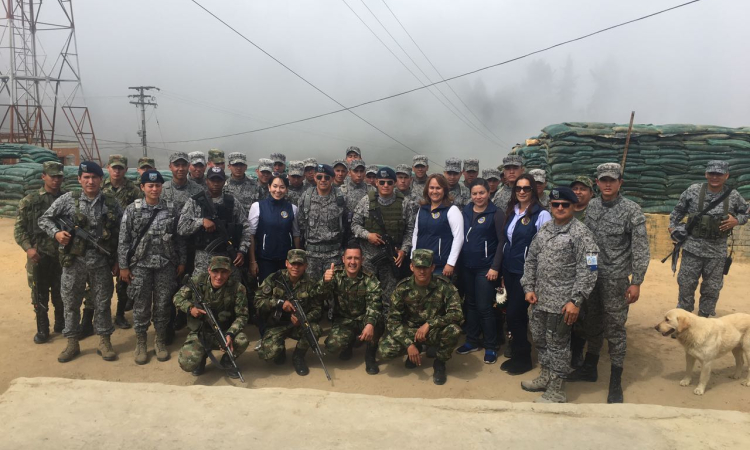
481, 256
523, 219
439, 226
274, 229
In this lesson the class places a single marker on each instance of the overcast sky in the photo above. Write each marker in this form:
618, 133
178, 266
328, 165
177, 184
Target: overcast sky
685, 66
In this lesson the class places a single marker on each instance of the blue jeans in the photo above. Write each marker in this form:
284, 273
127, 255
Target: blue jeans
480, 315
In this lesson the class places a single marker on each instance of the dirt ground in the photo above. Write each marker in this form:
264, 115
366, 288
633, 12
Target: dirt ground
653, 368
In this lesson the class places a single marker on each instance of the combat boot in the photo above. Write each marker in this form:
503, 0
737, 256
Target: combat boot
226, 363
59, 320
408, 364
198, 371
42, 327
371, 365
87, 323
298, 361
539, 383
160, 345
576, 349
141, 350
438, 374
105, 349
555, 392
71, 351
346, 353
588, 371
615, 386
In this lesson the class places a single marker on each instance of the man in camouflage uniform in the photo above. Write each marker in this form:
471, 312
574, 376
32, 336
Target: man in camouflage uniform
242, 187
340, 170
403, 184
216, 159
420, 165
264, 171
227, 299
705, 248
512, 169
279, 162
126, 192
159, 255
583, 187
179, 189
357, 308
42, 260
371, 174
82, 263
425, 310
558, 277
197, 169
619, 227
540, 179
276, 310
471, 171
322, 216
310, 167
145, 163
460, 193
492, 176
353, 153
296, 181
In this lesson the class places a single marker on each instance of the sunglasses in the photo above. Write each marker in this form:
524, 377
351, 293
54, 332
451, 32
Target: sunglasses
323, 177
522, 188
555, 205
385, 182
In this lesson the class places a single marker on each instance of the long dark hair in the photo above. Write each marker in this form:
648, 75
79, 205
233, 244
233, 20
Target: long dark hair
447, 197
509, 212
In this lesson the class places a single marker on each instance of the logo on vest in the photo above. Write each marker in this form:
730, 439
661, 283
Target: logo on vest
525, 220
436, 215
481, 220
284, 214
152, 177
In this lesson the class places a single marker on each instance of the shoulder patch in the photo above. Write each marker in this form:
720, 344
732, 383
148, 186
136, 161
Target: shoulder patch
367, 273
267, 289
443, 279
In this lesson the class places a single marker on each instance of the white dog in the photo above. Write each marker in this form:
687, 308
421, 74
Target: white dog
706, 340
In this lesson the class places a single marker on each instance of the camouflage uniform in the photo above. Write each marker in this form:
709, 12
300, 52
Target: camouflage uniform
294, 194
704, 256
229, 305
501, 199
179, 195
281, 328
246, 190
461, 195
322, 223
353, 193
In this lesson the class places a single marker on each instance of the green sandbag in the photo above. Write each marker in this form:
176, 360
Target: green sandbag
730, 143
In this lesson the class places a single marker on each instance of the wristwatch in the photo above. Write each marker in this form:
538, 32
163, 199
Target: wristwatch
577, 303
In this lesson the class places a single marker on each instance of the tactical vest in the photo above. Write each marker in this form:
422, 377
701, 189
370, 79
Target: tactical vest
224, 216
139, 221
107, 229
393, 216
708, 226
223, 307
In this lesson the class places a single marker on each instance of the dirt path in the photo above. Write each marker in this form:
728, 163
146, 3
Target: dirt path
653, 367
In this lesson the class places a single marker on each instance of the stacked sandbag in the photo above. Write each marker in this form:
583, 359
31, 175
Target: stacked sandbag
25, 153
16, 181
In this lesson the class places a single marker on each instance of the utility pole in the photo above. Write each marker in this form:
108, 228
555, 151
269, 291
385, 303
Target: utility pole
142, 100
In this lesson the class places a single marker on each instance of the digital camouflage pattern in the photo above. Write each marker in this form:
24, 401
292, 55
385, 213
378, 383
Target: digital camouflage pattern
692, 268
606, 314
461, 195
246, 190
293, 194
501, 199
178, 195
354, 192
322, 226
552, 340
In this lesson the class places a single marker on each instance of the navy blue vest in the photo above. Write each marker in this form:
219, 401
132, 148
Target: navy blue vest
480, 237
435, 233
273, 239
514, 254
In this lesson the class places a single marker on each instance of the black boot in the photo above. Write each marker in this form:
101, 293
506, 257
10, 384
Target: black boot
438, 376
576, 349
280, 359
226, 363
587, 372
518, 365
180, 321
59, 320
87, 323
42, 327
201, 366
169, 334
371, 365
615, 386
346, 353
298, 361
122, 299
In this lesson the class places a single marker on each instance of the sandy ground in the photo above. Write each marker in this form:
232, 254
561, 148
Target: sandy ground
653, 367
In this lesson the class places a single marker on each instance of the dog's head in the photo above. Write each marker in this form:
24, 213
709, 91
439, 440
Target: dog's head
675, 322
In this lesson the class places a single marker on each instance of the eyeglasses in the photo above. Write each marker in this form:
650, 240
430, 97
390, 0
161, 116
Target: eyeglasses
555, 205
322, 177
522, 188
385, 182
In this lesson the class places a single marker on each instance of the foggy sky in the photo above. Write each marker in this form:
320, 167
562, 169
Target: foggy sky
685, 66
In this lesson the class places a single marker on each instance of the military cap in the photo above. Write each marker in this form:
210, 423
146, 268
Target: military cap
563, 193
90, 167
326, 169
419, 160
197, 158
355, 150
216, 156
296, 256
584, 180
489, 174
53, 168
371, 169
539, 175
339, 162
471, 164
151, 176
421, 258
357, 163
237, 158
310, 162
278, 158
513, 160
265, 165
386, 173
403, 168
453, 165
612, 170
176, 156
216, 172
717, 166
146, 161
220, 263
296, 168
118, 161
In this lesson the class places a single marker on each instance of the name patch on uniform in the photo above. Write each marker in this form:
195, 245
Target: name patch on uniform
436, 215
284, 214
480, 220
525, 220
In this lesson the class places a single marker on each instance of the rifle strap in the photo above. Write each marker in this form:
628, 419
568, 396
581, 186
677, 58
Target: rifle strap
708, 208
144, 230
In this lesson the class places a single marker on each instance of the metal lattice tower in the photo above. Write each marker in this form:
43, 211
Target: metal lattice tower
40, 77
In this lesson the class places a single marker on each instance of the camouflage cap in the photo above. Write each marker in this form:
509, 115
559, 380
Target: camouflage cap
453, 165
717, 166
220, 263
310, 163
53, 168
357, 163
146, 161
176, 156
197, 158
612, 170
471, 164
372, 169
421, 258
296, 256
265, 165
539, 175
355, 150
296, 168
584, 180
278, 158
339, 162
403, 168
513, 160
491, 173
237, 158
419, 160
118, 160
216, 156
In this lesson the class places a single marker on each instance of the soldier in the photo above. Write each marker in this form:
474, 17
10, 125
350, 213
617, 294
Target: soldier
242, 187
425, 310
216, 159
371, 174
583, 187
420, 165
619, 227
471, 171
355, 188
512, 169
460, 193
145, 164
197, 169
357, 308
493, 179
403, 184
179, 189
126, 192
540, 180
264, 172
152, 257
296, 180
279, 162
704, 251
227, 299
558, 276
311, 167
276, 311
322, 215
340, 170
353, 153
42, 259
218, 223
99, 214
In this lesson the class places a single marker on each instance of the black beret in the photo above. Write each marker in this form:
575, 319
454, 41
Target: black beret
386, 173
216, 172
151, 176
90, 167
326, 169
563, 193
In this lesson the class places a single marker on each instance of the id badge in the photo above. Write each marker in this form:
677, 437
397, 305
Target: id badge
592, 261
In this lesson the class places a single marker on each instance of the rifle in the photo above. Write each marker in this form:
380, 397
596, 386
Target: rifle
215, 327
305, 324
78, 232
37, 298
224, 238
389, 253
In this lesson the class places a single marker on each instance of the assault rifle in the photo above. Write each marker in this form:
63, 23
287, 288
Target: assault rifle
77, 232
389, 253
216, 330
224, 236
37, 299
